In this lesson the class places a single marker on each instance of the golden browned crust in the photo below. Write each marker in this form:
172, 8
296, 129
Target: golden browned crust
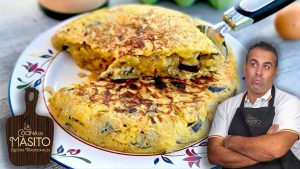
143, 116
116, 40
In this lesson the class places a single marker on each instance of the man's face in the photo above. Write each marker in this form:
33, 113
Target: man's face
260, 71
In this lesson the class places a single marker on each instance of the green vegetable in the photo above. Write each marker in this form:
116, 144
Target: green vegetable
184, 3
149, 1
219, 4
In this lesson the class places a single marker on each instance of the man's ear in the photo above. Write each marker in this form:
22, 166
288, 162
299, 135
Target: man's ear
244, 68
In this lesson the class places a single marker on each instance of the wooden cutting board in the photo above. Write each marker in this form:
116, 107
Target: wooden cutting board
29, 136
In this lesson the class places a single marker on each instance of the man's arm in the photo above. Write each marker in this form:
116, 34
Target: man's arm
219, 155
262, 148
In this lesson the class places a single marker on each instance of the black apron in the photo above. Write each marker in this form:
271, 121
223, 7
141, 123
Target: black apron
251, 122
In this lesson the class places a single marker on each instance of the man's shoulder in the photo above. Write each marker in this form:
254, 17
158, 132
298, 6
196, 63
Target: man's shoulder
233, 100
283, 96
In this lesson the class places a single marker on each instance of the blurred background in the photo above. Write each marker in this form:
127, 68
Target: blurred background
22, 21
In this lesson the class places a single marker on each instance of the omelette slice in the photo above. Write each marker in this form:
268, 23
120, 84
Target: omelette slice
133, 41
150, 115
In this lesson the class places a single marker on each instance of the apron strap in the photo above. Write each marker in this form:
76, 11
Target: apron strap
271, 101
243, 100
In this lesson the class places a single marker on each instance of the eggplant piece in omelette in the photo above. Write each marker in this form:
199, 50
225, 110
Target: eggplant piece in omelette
133, 41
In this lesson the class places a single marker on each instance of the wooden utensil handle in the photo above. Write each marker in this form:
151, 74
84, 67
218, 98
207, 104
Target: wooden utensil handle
31, 98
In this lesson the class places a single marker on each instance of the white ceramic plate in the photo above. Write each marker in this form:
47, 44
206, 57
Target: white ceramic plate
30, 71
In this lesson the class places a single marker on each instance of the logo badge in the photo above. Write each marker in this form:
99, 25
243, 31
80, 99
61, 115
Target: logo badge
252, 120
